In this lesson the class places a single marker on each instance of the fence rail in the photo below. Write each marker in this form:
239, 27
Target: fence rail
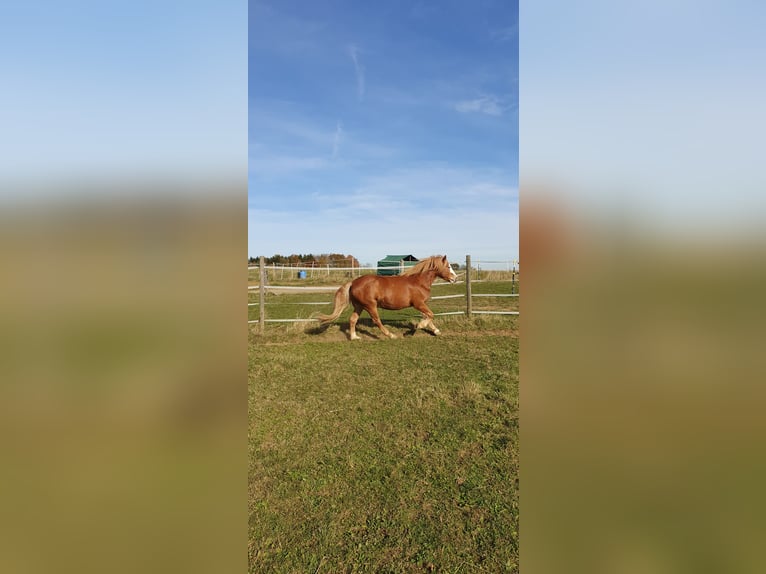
509, 264
264, 287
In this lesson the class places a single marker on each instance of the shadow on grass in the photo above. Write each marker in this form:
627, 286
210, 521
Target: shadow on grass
317, 329
365, 326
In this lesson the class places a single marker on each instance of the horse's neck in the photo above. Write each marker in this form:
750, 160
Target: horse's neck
427, 277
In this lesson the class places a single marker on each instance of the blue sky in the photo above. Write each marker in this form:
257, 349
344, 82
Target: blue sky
383, 127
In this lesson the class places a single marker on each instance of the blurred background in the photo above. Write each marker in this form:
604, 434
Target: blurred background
123, 243
643, 245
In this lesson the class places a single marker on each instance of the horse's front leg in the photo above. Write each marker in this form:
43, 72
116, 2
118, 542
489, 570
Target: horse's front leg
428, 318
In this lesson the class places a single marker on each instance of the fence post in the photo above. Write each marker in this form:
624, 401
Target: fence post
261, 295
513, 278
468, 307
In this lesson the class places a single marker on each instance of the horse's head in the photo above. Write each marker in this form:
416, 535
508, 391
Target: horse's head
446, 272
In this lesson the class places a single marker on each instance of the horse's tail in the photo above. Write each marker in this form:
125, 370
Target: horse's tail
341, 302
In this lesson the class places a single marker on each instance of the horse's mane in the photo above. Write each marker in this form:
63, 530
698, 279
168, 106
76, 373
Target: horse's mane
433, 262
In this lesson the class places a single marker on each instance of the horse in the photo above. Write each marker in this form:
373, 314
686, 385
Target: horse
410, 289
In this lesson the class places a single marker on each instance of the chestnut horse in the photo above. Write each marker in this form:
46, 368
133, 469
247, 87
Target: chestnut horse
410, 289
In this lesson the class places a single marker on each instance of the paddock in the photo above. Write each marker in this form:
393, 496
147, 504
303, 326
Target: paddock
400, 454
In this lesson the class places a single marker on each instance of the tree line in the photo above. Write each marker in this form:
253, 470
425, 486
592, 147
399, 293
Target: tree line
310, 259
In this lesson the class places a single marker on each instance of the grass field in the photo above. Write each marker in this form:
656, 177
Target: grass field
384, 455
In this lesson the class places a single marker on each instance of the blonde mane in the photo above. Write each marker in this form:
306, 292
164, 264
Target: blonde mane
433, 262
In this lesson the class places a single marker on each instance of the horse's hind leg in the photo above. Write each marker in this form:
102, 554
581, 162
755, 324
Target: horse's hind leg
373, 311
352, 322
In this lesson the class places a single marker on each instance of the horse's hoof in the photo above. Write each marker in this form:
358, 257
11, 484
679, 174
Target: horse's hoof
392, 336
355, 338
437, 332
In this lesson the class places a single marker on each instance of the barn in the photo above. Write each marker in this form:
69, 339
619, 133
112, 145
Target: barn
395, 264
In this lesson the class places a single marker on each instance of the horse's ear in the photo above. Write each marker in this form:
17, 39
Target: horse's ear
444, 258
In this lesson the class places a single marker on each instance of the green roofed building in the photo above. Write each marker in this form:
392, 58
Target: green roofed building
395, 264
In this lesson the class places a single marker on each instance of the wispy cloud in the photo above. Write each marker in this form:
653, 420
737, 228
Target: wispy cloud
422, 10
490, 105
440, 186
370, 234
428, 185
336, 139
506, 34
277, 165
281, 138
284, 123
423, 208
359, 70
363, 203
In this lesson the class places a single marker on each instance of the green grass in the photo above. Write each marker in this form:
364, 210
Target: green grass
385, 456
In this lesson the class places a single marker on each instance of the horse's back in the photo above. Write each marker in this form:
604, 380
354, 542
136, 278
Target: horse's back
369, 286
388, 292
367, 281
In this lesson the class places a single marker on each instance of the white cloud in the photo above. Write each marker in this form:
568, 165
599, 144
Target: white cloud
284, 122
485, 235
424, 209
269, 165
359, 70
443, 186
336, 139
279, 144
490, 105
506, 34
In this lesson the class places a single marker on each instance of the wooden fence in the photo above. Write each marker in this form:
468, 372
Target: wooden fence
465, 278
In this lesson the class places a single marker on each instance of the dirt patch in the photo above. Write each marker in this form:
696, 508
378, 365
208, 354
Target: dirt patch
334, 335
